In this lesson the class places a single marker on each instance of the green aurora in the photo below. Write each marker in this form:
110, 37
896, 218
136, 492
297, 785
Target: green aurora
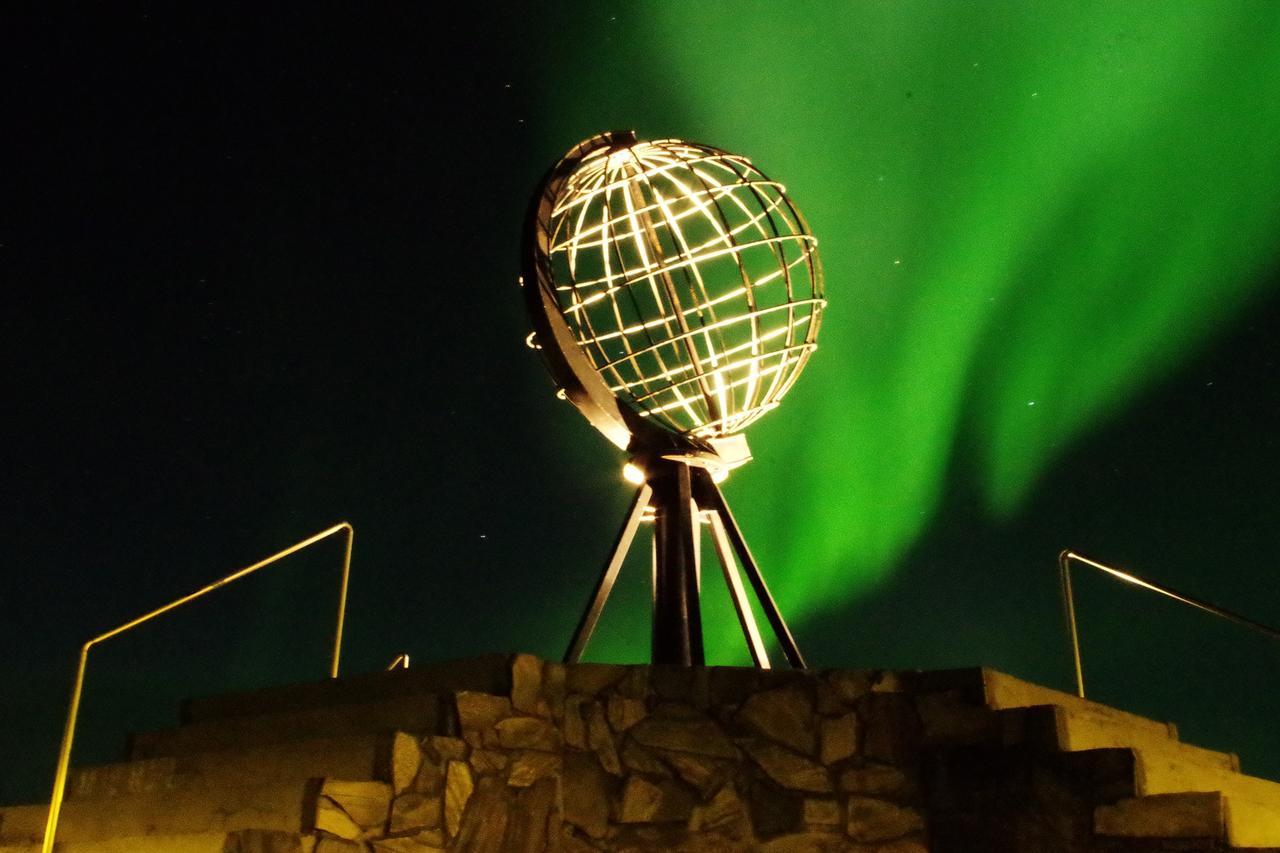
1028, 215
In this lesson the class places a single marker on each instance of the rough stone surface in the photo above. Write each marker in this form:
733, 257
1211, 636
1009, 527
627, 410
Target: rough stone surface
726, 814
644, 759
585, 794
485, 822
526, 684
641, 760
784, 715
625, 712
574, 721
413, 812
789, 769
876, 820
592, 678
444, 748
838, 738
486, 761
684, 732
528, 733
704, 774
478, 712
531, 765
875, 779
406, 761
822, 812
365, 804
645, 801
458, 787
600, 739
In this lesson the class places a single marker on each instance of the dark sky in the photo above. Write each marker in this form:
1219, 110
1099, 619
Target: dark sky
260, 276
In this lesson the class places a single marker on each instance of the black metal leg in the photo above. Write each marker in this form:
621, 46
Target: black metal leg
677, 620
604, 586
746, 618
712, 495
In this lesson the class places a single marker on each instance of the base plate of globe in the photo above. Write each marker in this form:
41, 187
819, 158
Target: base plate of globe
675, 295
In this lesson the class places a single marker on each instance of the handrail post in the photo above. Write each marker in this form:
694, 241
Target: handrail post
77, 690
1069, 613
342, 598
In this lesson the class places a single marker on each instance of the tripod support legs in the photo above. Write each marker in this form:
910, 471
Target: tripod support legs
680, 496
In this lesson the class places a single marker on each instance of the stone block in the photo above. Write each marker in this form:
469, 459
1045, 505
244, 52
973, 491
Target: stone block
528, 733
725, 813
877, 780
703, 773
527, 827
804, 842
531, 765
784, 715
407, 844
479, 712
484, 823
575, 726
872, 820
838, 738
458, 787
443, 748
406, 760
526, 684
586, 794
489, 761
684, 730
592, 678
654, 801
789, 769
365, 804
553, 688
625, 712
412, 812
822, 813
639, 759
600, 739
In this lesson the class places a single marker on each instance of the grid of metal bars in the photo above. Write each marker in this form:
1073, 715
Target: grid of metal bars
689, 280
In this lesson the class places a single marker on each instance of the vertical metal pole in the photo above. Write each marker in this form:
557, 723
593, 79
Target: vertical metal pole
677, 621
604, 584
746, 618
1069, 612
342, 600
64, 753
749, 565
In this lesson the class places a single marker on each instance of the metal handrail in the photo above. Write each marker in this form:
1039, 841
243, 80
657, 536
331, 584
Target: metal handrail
68, 733
1069, 607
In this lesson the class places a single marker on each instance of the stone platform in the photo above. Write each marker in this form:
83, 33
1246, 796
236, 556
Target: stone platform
513, 753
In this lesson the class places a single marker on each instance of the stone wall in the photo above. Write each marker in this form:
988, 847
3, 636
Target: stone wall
602, 757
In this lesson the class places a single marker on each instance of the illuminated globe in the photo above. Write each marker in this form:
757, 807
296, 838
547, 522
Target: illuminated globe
684, 277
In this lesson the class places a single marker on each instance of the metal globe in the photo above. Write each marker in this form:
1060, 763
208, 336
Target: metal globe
684, 275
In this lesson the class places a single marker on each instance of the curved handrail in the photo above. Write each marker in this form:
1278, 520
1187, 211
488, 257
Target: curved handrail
68, 733
1065, 559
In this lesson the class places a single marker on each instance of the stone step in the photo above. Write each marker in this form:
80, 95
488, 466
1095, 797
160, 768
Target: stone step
423, 713
1184, 815
357, 756
1075, 731
207, 842
170, 813
1252, 804
484, 674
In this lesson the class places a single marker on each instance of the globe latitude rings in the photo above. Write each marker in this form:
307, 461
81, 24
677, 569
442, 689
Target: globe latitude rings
674, 289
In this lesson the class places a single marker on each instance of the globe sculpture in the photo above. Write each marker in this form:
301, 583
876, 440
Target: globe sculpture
675, 295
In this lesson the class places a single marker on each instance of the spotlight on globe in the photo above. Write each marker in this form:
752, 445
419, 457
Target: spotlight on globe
675, 295
684, 283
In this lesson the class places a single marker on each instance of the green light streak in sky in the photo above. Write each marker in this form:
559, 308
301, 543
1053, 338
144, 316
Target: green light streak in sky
1029, 214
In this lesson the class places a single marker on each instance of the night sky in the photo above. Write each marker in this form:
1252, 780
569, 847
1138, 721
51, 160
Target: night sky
259, 272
